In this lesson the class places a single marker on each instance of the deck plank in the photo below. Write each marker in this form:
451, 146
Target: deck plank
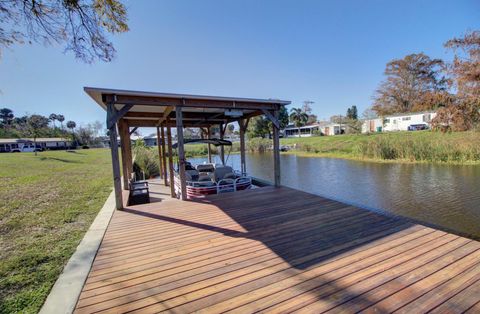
275, 250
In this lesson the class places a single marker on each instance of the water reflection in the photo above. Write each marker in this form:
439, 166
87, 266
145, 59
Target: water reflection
443, 195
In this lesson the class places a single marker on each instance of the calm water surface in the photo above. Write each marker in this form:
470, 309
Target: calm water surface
444, 195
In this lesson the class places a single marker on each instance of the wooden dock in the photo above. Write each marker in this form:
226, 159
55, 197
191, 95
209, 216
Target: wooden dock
276, 250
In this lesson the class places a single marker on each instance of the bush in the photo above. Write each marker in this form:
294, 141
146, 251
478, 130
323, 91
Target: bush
145, 161
258, 144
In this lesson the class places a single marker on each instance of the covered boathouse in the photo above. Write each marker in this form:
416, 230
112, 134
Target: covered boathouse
127, 110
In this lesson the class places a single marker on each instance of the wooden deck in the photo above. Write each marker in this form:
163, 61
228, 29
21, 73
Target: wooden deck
276, 250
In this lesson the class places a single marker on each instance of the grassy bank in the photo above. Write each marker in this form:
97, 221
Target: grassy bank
420, 146
46, 205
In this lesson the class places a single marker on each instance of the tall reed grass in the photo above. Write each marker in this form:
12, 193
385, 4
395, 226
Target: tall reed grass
145, 161
419, 146
437, 148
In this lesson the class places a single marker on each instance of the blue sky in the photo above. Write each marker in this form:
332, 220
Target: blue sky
332, 53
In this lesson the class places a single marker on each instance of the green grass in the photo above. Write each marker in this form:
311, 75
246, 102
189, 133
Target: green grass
46, 205
420, 146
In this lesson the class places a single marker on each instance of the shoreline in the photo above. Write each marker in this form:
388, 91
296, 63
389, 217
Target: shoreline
381, 161
305, 154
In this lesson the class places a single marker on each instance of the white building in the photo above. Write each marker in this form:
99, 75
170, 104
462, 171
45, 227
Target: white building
21, 144
399, 122
321, 128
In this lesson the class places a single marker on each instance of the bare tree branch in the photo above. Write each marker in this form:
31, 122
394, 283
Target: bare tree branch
80, 24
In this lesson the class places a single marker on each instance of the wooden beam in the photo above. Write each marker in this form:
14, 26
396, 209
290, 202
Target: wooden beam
114, 115
181, 153
166, 113
170, 163
210, 119
133, 130
246, 117
190, 119
117, 185
199, 103
186, 115
154, 123
247, 121
272, 118
164, 156
276, 151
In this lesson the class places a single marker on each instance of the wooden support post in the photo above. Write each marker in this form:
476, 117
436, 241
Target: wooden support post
222, 149
209, 147
112, 128
164, 156
124, 137
160, 163
276, 150
181, 152
243, 124
128, 151
170, 163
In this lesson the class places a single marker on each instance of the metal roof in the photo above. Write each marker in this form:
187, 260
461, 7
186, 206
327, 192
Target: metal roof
97, 92
148, 108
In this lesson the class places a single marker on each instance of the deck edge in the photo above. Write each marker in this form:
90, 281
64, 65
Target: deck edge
65, 292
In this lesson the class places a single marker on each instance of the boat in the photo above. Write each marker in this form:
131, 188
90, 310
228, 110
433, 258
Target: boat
210, 178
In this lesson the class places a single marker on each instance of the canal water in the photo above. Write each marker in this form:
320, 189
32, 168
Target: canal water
444, 195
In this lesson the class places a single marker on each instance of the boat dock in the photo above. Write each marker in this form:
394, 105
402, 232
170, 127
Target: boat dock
269, 249
278, 250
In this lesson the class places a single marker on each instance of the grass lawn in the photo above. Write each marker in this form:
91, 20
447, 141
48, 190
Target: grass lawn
47, 203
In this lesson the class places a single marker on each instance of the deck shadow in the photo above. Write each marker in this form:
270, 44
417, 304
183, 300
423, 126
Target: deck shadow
61, 160
302, 229
297, 226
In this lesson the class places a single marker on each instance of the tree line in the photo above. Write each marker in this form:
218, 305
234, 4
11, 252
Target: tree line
35, 126
418, 82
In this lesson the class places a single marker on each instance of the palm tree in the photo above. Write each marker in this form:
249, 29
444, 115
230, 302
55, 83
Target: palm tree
61, 118
6, 116
52, 118
299, 118
72, 125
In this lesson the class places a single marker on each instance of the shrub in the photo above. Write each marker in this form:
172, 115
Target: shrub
258, 144
145, 161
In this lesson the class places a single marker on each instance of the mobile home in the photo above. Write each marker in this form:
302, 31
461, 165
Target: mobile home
27, 144
399, 122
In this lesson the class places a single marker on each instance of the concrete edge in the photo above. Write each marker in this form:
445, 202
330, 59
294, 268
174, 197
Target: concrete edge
65, 292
